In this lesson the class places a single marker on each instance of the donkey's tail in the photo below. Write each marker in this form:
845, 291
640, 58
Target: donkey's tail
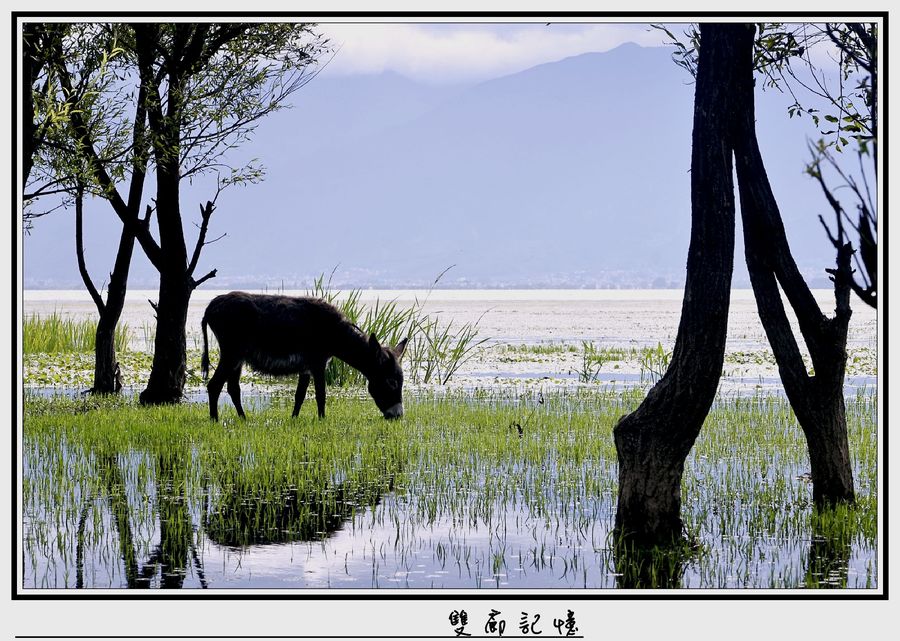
204, 361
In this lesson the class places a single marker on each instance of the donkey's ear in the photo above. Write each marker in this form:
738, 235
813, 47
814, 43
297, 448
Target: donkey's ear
376, 348
400, 348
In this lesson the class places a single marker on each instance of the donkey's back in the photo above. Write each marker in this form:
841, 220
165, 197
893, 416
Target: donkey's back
274, 334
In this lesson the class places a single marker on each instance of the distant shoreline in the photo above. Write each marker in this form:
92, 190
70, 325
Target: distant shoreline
411, 294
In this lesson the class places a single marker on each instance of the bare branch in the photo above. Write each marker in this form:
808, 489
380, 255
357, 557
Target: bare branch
196, 283
79, 251
206, 212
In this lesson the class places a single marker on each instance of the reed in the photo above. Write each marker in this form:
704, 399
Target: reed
435, 352
57, 334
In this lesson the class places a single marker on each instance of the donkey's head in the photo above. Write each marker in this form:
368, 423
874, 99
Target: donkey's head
386, 381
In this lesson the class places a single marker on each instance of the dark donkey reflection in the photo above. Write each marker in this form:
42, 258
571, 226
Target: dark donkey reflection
238, 520
282, 335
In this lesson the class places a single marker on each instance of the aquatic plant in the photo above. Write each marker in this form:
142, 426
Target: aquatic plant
57, 334
435, 351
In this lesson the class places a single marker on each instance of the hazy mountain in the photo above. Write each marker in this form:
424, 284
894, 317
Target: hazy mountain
572, 173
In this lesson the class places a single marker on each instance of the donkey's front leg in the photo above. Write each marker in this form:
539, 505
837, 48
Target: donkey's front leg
300, 395
319, 382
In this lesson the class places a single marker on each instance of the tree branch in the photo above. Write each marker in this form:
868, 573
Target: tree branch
127, 216
79, 251
205, 214
196, 283
770, 263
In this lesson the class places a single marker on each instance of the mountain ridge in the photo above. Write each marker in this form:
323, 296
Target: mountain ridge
569, 173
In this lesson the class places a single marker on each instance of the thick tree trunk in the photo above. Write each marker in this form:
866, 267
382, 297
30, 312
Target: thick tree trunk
817, 400
653, 442
168, 374
105, 363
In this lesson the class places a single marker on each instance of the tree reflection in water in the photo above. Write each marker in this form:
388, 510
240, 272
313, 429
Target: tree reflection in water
279, 513
640, 567
828, 563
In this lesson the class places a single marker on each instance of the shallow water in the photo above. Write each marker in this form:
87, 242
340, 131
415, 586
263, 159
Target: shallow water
390, 545
145, 521
348, 537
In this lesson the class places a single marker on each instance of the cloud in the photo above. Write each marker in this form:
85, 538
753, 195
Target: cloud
445, 53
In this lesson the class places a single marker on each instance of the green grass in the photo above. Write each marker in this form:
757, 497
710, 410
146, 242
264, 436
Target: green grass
481, 485
542, 349
56, 334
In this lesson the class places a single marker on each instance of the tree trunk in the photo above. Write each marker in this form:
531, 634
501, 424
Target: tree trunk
168, 374
817, 400
107, 379
106, 371
105, 364
653, 442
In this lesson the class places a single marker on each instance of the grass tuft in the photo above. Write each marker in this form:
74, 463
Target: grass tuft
56, 334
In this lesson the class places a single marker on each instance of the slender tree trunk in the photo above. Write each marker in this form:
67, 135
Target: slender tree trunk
106, 369
105, 363
818, 399
653, 442
107, 378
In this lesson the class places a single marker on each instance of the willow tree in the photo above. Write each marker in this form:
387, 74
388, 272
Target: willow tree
204, 88
70, 75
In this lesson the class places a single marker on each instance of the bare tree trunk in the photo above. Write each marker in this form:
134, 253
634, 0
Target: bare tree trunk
817, 400
653, 442
106, 368
169, 372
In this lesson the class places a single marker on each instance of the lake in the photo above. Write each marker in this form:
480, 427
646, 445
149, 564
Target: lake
609, 319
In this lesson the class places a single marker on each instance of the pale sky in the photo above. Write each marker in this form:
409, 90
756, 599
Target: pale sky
453, 52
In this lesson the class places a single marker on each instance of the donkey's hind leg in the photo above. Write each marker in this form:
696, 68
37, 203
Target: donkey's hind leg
214, 388
223, 370
234, 390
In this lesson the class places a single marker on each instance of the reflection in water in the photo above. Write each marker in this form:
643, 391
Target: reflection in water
828, 562
169, 557
242, 520
235, 519
650, 568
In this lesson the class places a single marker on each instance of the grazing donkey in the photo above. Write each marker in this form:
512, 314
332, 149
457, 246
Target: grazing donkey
286, 335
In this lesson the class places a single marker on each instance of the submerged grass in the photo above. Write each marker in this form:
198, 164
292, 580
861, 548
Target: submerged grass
486, 488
